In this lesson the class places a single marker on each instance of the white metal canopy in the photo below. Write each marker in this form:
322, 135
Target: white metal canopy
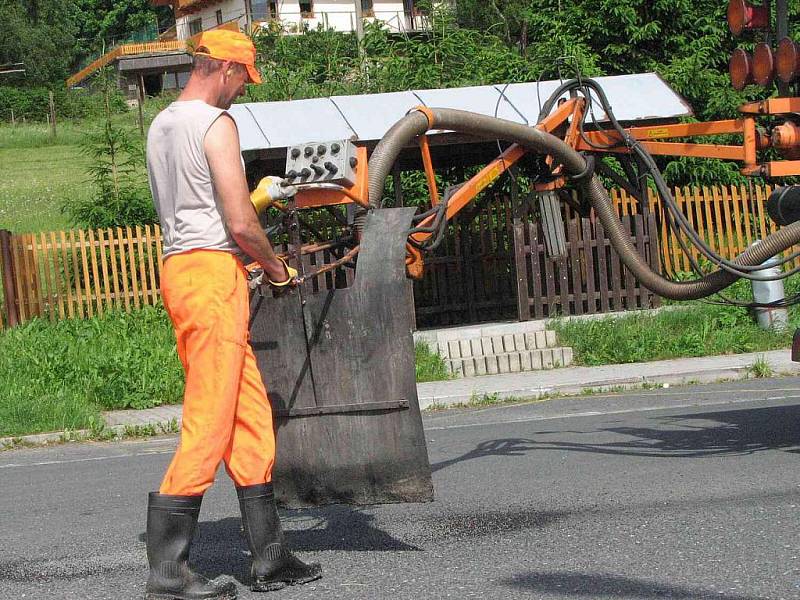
367, 118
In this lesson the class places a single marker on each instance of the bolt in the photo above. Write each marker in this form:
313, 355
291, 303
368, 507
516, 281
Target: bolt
309, 151
321, 149
295, 152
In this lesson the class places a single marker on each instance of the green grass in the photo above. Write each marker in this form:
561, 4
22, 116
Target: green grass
429, 365
38, 173
34, 182
59, 376
761, 368
696, 329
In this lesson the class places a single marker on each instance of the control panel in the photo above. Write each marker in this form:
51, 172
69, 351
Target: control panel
322, 162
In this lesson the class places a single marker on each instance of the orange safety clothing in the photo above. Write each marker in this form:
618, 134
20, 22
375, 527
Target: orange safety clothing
226, 412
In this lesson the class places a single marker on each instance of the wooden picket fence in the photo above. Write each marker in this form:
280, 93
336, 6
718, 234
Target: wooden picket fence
77, 273
730, 219
473, 277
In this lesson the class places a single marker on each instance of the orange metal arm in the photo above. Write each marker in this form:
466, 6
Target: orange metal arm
429, 173
474, 186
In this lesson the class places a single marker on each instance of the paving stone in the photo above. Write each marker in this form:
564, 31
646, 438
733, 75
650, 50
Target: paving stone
536, 360
456, 367
454, 349
469, 367
508, 342
568, 356
466, 349
530, 341
541, 340
547, 358
527, 362
503, 364
486, 344
550, 335
519, 342
497, 344
491, 365
480, 365
476, 346
558, 357
514, 363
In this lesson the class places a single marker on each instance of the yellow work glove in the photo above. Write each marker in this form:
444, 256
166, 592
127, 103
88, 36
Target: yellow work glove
292, 274
268, 190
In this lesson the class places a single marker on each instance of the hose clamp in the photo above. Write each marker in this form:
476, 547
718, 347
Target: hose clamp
425, 111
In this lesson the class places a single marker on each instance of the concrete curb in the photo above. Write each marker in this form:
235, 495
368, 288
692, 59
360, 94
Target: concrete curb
570, 381
580, 380
607, 385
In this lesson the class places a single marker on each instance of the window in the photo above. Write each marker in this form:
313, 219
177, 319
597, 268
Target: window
195, 26
263, 10
307, 9
219, 17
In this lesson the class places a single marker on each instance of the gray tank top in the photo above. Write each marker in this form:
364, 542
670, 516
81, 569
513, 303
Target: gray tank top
180, 180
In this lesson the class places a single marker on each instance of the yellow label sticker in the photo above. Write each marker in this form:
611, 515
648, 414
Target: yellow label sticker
488, 178
658, 132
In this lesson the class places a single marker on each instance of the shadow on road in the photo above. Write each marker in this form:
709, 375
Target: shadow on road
602, 585
731, 432
221, 549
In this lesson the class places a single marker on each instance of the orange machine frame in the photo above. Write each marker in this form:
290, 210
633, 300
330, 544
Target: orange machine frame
564, 121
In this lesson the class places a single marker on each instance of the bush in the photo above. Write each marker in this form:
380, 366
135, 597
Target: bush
33, 104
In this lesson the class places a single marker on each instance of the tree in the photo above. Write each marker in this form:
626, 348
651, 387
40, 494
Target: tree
106, 22
41, 35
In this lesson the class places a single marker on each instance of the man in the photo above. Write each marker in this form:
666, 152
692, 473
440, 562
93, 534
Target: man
208, 221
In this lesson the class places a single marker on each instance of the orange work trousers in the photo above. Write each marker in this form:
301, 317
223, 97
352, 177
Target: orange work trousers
226, 413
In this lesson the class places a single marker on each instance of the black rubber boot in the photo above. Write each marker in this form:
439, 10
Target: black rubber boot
170, 526
274, 566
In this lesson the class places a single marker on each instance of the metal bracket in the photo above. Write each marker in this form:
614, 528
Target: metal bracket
552, 224
342, 409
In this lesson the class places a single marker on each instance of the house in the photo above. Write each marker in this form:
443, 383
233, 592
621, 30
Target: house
194, 16
164, 63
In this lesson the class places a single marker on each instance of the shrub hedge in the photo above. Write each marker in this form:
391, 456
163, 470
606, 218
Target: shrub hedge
33, 103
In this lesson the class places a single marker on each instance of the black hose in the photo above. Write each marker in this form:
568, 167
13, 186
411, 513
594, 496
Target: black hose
414, 124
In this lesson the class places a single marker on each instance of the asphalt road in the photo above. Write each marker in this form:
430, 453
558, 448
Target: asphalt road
684, 493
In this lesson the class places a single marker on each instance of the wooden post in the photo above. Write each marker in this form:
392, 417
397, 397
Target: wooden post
139, 102
7, 265
362, 54
359, 22
13, 122
141, 85
52, 115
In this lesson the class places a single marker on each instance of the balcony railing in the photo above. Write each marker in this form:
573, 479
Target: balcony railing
124, 50
345, 20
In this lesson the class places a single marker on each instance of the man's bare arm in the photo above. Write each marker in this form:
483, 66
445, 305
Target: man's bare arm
222, 151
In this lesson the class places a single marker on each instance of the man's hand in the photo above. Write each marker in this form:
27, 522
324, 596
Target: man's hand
279, 274
268, 190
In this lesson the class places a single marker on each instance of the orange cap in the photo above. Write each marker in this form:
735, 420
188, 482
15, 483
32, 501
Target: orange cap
224, 44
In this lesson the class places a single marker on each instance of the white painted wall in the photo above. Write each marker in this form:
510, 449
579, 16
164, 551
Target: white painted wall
231, 9
336, 14
340, 14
